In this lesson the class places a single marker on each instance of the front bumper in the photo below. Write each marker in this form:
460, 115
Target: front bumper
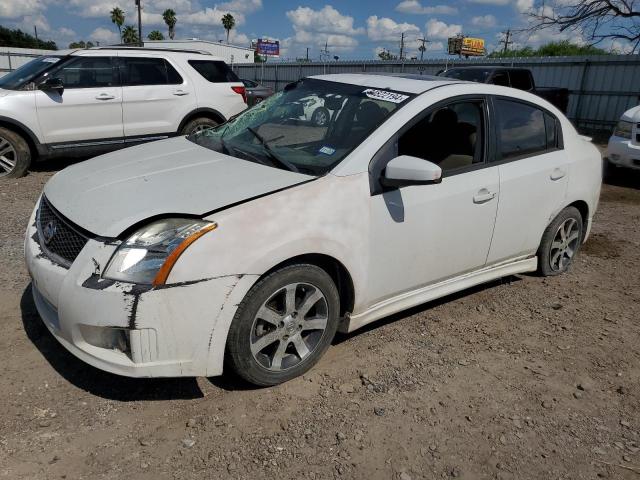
175, 330
622, 152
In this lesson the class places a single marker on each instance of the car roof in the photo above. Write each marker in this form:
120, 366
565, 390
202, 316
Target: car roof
485, 67
401, 82
96, 51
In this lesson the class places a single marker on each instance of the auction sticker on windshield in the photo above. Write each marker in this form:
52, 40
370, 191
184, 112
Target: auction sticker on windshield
385, 95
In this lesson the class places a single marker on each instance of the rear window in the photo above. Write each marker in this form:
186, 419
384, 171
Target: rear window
521, 79
214, 71
478, 75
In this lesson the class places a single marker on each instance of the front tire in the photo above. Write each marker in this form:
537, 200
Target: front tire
560, 243
284, 325
197, 125
15, 155
320, 117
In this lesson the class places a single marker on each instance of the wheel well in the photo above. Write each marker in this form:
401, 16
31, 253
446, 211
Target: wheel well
213, 115
335, 269
583, 208
24, 134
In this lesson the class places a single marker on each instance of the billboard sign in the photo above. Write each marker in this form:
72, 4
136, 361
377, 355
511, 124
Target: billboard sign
269, 48
467, 46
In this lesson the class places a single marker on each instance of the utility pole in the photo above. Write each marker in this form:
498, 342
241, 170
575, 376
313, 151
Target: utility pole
423, 47
35, 29
307, 54
324, 54
402, 47
139, 5
506, 41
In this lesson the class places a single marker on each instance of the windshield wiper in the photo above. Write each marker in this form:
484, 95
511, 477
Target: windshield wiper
274, 158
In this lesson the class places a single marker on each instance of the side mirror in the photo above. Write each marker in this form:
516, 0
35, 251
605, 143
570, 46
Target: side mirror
407, 170
52, 84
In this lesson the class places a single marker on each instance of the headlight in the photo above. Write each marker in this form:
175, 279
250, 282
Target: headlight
148, 255
623, 129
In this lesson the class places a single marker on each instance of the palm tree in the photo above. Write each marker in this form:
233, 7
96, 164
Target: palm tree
228, 22
117, 17
130, 34
170, 19
155, 35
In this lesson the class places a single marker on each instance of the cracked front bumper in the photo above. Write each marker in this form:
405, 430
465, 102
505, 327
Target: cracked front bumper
176, 330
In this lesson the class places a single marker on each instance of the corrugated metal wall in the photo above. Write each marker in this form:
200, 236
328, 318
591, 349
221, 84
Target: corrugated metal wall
601, 87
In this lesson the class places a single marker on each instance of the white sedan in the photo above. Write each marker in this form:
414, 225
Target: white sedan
251, 244
624, 145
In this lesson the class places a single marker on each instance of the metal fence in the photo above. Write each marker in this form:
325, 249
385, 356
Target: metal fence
601, 87
10, 59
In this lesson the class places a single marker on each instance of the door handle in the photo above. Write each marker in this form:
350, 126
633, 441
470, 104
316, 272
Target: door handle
105, 96
484, 196
557, 174
180, 93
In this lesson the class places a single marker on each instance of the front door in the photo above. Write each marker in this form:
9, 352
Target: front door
425, 234
89, 109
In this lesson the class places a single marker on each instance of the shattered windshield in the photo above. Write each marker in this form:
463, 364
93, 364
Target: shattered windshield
309, 127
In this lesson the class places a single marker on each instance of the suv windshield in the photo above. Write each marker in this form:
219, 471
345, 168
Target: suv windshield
18, 78
309, 127
478, 75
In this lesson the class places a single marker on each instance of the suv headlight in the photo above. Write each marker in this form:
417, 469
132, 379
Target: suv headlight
623, 129
148, 255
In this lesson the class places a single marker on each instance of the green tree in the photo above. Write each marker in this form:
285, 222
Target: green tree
117, 17
562, 48
386, 55
228, 22
18, 38
155, 35
81, 44
169, 17
130, 34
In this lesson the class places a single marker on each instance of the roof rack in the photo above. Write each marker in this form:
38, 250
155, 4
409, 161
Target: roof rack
146, 49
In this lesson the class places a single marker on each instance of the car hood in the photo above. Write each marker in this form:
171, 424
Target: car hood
110, 193
632, 115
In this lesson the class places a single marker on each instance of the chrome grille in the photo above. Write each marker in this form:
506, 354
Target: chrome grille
59, 239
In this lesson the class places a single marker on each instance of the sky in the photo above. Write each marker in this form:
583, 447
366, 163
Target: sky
355, 29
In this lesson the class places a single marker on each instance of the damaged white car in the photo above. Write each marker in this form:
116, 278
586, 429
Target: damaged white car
249, 245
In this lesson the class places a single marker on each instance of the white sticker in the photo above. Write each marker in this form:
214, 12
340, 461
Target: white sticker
327, 150
51, 60
385, 96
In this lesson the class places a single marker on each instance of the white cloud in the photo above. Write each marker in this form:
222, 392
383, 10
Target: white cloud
244, 6
388, 29
437, 29
416, 8
19, 8
491, 2
104, 36
325, 20
484, 21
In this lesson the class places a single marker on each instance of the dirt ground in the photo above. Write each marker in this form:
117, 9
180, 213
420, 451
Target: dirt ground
526, 378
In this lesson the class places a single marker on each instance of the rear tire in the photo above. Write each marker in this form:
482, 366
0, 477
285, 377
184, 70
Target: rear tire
560, 243
15, 154
284, 325
198, 124
321, 117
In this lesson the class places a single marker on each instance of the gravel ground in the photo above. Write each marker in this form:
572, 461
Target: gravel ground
526, 378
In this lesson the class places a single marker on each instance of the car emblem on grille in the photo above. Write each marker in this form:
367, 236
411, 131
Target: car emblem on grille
49, 232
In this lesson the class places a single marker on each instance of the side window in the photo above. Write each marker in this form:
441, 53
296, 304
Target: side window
551, 126
135, 71
214, 71
451, 136
86, 72
521, 79
500, 78
521, 129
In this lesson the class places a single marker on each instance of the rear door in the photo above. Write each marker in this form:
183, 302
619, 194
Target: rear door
156, 95
534, 169
89, 109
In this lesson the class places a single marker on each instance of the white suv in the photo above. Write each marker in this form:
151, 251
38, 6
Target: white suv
87, 102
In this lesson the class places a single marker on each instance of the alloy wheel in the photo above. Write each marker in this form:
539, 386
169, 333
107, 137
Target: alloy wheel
8, 157
565, 244
288, 326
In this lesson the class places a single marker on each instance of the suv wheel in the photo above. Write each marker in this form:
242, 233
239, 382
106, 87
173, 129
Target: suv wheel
284, 325
15, 155
197, 125
560, 242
